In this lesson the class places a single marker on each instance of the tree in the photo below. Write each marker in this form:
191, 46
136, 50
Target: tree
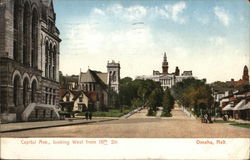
155, 99
137, 92
168, 102
194, 94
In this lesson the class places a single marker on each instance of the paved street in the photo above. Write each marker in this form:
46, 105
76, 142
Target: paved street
141, 126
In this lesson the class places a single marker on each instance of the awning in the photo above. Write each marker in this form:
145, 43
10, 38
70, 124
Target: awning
247, 106
240, 105
228, 107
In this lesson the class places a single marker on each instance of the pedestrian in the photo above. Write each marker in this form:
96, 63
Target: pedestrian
90, 115
86, 115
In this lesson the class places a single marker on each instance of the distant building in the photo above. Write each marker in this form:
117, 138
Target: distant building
98, 85
243, 81
69, 82
167, 79
113, 70
78, 100
233, 97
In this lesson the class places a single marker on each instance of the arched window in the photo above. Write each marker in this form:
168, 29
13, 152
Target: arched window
54, 62
50, 60
26, 34
16, 31
46, 58
16, 90
34, 38
25, 92
33, 91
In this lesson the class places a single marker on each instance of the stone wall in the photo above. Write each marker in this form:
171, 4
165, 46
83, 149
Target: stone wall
42, 114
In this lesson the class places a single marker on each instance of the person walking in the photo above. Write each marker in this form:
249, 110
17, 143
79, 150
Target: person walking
86, 115
90, 115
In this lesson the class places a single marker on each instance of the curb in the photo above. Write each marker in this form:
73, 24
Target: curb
59, 125
131, 113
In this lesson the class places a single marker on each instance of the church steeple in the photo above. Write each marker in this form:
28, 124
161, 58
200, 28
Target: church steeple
245, 75
165, 64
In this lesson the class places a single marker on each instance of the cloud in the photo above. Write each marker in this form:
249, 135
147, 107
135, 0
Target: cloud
217, 40
138, 12
222, 15
172, 12
129, 13
175, 10
98, 11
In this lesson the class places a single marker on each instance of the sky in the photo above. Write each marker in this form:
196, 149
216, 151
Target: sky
209, 37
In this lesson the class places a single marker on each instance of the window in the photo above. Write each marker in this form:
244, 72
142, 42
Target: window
16, 90
50, 97
25, 92
80, 98
34, 33
44, 113
51, 113
26, 34
67, 97
36, 113
54, 63
54, 100
16, 31
46, 58
33, 91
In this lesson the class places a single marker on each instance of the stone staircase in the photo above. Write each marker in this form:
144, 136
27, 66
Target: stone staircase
38, 111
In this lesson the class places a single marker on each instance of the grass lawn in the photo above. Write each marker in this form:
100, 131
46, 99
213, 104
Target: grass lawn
222, 121
152, 115
243, 125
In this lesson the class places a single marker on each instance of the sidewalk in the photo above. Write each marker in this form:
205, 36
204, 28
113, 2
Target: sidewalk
13, 127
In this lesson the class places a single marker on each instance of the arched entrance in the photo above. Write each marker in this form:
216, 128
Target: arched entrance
33, 91
16, 97
25, 92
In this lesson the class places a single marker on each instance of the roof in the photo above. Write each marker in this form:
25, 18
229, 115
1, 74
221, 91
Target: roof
62, 92
78, 93
240, 105
92, 76
87, 77
103, 77
228, 107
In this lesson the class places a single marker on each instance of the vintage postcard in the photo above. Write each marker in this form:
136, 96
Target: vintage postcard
125, 79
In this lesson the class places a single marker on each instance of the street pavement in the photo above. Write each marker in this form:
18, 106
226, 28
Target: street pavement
141, 126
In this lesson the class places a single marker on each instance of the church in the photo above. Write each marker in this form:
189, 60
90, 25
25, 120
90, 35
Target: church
99, 85
167, 79
29, 61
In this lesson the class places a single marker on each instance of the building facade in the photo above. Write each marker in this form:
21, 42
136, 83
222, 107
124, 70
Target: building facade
167, 79
29, 60
99, 85
113, 70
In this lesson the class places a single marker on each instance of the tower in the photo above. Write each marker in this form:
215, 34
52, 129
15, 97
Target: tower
113, 70
245, 75
165, 64
177, 71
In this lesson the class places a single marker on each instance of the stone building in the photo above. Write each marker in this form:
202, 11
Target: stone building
29, 60
167, 79
99, 85
113, 70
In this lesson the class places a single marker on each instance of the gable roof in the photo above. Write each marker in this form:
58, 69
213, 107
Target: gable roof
92, 76
87, 77
78, 93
